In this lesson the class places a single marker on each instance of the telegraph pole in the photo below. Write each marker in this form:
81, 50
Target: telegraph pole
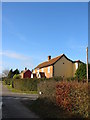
87, 63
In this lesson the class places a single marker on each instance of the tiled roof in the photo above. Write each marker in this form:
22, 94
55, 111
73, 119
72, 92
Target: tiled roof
51, 61
78, 61
25, 71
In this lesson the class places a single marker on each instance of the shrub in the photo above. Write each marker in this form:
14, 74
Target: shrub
8, 81
71, 79
16, 76
73, 96
58, 78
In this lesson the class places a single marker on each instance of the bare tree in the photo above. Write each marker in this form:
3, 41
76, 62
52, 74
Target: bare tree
5, 73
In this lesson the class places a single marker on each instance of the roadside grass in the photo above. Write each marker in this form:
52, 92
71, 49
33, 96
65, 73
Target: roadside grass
47, 109
19, 91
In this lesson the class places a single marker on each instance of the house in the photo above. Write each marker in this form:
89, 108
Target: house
33, 75
58, 66
26, 73
39, 75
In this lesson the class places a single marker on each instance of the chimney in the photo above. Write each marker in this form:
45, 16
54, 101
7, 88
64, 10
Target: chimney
49, 57
25, 68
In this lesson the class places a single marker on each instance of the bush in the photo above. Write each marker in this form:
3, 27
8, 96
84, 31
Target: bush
73, 96
71, 79
8, 81
58, 78
16, 76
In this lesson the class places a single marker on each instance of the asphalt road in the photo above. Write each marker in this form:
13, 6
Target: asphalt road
12, 106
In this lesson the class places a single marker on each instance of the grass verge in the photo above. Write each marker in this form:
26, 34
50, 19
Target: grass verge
46, 109
19, 91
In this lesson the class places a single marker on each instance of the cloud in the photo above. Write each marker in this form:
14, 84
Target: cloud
14, 55
19, 61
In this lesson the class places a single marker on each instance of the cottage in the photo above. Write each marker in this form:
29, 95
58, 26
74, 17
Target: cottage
26, 73
58, 66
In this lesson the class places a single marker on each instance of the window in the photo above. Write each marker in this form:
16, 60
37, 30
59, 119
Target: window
42, 70
34, 71
48, 69
76, 64
38, 71
31, 75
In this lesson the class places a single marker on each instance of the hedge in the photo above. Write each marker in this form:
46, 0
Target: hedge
26, 84
47, 90
70, 96
29, 84
73, 96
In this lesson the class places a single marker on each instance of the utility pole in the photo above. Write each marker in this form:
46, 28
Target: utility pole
87, 63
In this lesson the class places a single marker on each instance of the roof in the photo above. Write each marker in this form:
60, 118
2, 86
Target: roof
52, 61
25, 71
78, 61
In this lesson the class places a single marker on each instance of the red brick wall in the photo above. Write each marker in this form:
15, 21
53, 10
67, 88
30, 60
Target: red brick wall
27, 74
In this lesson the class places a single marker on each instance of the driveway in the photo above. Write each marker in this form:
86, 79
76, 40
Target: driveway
12, 106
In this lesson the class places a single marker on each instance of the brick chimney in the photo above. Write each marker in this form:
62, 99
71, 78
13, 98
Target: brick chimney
49, 57
25, 68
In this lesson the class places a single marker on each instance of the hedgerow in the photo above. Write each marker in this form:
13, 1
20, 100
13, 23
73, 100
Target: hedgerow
47, 90
73, 96
27, 84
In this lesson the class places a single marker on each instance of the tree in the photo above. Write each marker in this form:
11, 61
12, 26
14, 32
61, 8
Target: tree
16, 72
5, 73
10, 74
81, 72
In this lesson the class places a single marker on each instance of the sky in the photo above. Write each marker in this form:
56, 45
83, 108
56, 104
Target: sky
32, 31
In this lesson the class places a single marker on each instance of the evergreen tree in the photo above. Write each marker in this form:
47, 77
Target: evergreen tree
81, 72
10, 74
16, 72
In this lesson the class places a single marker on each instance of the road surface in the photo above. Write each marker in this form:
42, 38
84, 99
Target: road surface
12, 106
